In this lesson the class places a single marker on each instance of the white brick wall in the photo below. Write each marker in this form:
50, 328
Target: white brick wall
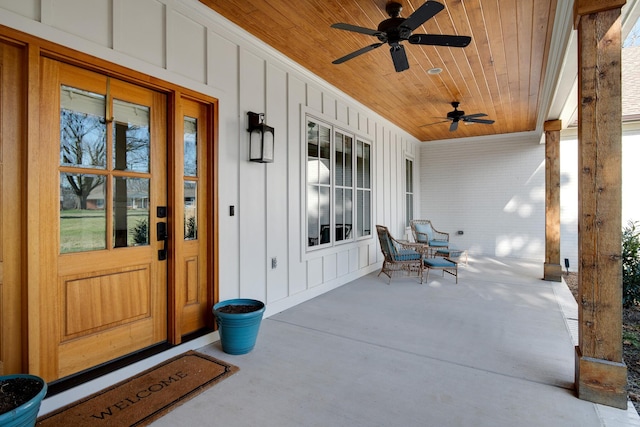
491, 189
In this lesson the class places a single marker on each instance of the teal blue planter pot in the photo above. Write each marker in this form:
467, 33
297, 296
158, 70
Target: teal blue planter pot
238, 324
26, 414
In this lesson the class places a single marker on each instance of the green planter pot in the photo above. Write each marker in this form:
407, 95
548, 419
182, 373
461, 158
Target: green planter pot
26, 414
238, 331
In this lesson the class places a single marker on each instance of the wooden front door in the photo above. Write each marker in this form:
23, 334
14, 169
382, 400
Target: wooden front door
104, 189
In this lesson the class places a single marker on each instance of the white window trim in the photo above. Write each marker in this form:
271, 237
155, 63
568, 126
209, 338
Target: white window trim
306, 114
410, 157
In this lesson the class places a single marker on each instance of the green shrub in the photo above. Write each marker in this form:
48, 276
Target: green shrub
631, 264
140, 232
192, 228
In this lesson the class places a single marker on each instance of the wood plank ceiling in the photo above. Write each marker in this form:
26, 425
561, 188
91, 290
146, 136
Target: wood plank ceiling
499, 73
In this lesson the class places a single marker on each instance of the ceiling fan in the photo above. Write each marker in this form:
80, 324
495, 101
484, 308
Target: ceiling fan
396, 29
456, 116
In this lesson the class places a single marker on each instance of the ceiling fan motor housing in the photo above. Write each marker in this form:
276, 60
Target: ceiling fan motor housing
393, 8
455, 114
391, 26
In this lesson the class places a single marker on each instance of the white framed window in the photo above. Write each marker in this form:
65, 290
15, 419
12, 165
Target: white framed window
408, 191
338, 190
363, 185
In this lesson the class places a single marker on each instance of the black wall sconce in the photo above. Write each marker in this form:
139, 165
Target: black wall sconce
261, 139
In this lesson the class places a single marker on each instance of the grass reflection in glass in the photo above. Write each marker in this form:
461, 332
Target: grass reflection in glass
82, 230
85, 229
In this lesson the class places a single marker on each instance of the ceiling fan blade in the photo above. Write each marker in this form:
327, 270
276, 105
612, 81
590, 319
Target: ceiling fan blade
486, 122
357, 53
356, 29
454, 126
399, 56
422, 14
434, 123
440, 40
473, 116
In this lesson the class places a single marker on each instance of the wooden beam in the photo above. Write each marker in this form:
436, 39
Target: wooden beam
587, 7
552, 267
600, 371
553, 125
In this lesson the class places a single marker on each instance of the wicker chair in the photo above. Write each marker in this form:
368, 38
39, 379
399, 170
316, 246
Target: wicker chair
424, 232
397, 257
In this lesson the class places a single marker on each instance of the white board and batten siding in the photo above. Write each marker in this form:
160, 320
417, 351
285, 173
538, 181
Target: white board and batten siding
185, 43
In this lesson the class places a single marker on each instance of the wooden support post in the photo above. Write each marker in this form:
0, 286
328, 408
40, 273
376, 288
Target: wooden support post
601, 375
552, 267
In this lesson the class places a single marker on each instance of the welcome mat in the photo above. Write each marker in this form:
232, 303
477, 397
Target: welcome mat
145, 397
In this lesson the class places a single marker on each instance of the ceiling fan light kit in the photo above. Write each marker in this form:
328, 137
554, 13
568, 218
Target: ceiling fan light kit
396, 29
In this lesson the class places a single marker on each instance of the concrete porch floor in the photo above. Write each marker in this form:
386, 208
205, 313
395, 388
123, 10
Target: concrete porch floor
497, 349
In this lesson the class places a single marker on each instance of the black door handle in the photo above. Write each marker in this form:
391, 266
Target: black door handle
161, 229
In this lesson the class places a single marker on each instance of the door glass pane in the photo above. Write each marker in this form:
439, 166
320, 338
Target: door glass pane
82, 212
190, 146
190, 210
82, 128
130, 136
130, 211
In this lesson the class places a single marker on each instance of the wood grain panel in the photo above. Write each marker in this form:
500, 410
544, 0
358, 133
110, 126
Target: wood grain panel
191, 280
107, 299
12, 121
103, 346
500, 73
499, 94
